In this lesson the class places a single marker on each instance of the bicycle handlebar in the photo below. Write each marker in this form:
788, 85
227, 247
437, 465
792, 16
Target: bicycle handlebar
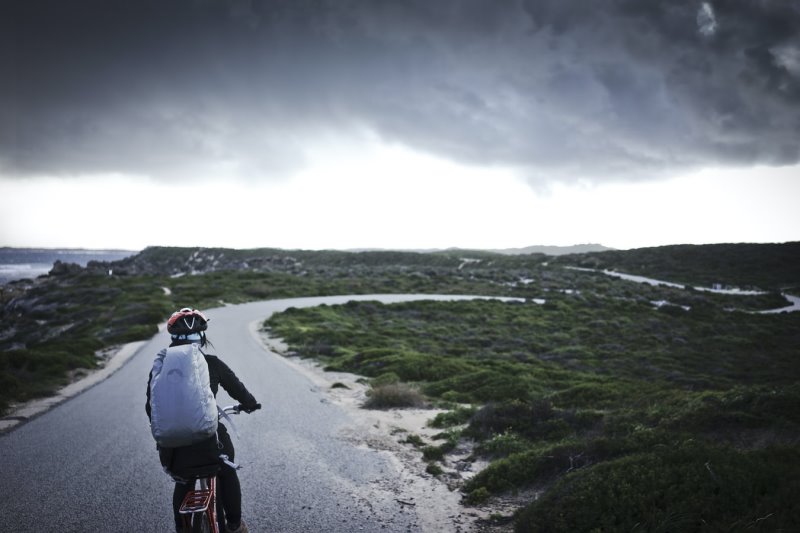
237, 409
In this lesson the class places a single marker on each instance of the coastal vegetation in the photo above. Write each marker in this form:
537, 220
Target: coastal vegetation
619, 413
764, 266
623, 405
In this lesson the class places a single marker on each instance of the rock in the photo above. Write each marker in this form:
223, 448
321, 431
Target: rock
63, 269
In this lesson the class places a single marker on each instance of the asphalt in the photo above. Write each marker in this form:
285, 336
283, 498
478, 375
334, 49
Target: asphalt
89, 463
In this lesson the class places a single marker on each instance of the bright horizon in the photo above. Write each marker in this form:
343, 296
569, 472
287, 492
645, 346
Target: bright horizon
415, 126
355, 211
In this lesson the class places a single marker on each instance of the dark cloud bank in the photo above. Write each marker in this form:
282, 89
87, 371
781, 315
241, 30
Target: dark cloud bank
598, 89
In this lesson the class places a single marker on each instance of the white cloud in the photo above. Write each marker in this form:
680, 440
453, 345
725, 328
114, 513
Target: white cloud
788, 57
706, 20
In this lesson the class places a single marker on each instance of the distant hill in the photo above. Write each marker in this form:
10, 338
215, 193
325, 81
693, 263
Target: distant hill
538, 249
554, 250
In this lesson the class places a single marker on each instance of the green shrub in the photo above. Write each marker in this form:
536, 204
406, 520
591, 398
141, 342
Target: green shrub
434, 469
594, 394
477, 496
414, 440
434, 453
483, 386
407, 365
543, 462
526, 418
386, 378
740, 408
690, 487
503, 445
437, 453
456, 417
521, 469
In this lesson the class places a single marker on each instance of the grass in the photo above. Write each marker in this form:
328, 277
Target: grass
588, 394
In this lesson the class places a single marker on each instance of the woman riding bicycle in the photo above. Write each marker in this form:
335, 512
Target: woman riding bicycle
188, 326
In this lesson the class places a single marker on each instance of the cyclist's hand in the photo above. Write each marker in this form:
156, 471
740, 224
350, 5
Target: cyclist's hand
250, 408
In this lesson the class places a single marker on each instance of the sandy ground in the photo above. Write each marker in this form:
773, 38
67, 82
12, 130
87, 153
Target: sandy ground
436, 499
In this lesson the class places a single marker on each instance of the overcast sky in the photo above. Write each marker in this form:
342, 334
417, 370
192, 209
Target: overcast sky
398, 124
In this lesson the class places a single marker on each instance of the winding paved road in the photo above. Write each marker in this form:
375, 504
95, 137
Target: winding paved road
90, 463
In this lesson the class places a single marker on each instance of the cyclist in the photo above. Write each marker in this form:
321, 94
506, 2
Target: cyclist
188, 326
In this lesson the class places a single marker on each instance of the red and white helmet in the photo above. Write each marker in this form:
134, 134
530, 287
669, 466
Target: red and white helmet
186, 321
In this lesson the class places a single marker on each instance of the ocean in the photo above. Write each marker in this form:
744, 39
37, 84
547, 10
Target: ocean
20, 263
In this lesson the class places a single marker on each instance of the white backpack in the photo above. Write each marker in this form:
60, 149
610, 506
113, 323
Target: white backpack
183, 410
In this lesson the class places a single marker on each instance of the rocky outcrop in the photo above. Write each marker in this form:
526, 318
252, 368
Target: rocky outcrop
64, 269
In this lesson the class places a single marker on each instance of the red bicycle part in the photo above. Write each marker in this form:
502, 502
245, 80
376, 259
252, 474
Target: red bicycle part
201, 501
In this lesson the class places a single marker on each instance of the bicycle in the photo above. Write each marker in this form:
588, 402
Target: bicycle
199, 507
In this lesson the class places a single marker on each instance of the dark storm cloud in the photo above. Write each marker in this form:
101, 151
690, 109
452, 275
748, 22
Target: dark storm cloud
614, 88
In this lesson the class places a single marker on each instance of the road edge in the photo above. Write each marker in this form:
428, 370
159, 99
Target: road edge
19, 414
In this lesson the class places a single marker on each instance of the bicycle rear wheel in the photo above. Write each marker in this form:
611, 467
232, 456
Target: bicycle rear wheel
200, 523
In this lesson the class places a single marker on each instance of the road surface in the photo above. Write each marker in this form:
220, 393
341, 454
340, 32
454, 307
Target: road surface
90, 463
